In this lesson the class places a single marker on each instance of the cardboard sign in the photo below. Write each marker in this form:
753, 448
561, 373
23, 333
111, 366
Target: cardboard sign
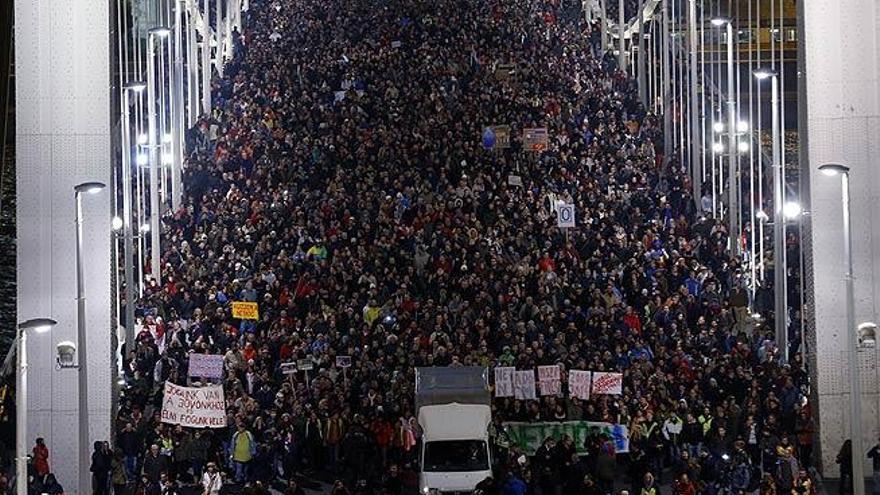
607, 383
549, 379
288, 368
343, 361
502, 136
514, 180
565, 215
245, 310
205, 365
305, 364
504, 381
505, 72
194, 407
524, 385
579, 384
535, 138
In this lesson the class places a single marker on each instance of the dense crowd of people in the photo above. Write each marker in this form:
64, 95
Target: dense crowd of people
343, 183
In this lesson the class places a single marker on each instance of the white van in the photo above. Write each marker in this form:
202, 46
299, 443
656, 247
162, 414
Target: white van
455, 447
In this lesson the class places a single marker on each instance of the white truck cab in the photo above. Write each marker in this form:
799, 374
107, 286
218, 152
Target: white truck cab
454, 414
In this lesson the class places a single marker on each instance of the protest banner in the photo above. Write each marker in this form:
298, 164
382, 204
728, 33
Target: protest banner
504, 381
564, 215
205, 365
524, 385
245, 310
194, 407
343, 361
549, 379
535, 138
505, 72
529, 436
579, 384
288, 368
607, 383
305, 364
502, 136
514, 180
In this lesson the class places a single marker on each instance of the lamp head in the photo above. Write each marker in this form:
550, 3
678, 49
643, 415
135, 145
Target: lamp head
720, 21
39, 325
160, 31
791, 210
92, 187
764, 73
832, 169
136, 86
116, 224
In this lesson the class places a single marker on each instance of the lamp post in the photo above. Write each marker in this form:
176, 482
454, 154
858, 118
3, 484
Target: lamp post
780, 291
39, 325
127, 247
177, 103
855, 420
696, 169
82, 370
155, 255
732, 208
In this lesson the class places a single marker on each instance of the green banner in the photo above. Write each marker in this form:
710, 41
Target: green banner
529, 436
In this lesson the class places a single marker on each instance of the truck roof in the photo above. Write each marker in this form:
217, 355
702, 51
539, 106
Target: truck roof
448, 384
455, 421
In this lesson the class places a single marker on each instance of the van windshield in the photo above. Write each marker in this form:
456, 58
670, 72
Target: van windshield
456, 455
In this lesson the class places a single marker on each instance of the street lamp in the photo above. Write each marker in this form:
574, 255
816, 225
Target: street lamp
733, 209
779, 274
82, 370
127, 242
855, 421
38, 325
791, 210
160, 32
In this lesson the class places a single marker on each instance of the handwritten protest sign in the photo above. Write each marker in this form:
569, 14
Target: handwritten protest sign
579, 384
194, 407
205, 365
535, 138
524, 385
607, 383
504, 381
549, 379
245, 310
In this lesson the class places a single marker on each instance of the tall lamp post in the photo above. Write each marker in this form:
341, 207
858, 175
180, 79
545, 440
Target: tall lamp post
128, 238
82, 370
733, 208
855, 420
38, 325
155, 213
780, 290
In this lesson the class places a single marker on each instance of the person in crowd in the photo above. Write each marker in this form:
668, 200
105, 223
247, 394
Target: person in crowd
118, 474
100, 469
211, 481
41, 457
154, 465
243, 449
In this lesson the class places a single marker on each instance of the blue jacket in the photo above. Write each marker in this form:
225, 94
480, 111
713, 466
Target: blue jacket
514, 486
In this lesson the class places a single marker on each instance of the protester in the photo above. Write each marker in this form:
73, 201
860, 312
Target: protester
41, 457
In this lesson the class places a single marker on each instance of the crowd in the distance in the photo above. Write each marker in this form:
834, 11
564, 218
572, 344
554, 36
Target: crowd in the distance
343, 184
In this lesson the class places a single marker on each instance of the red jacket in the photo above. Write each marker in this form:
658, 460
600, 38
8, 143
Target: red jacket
41, 459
